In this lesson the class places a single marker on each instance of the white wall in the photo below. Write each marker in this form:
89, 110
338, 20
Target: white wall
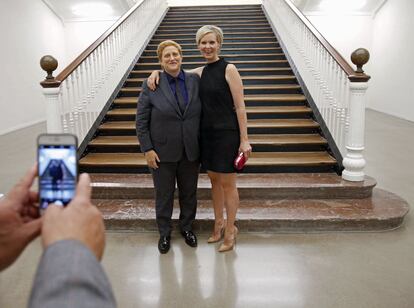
391, 87
80, 35
28, 30
345, 32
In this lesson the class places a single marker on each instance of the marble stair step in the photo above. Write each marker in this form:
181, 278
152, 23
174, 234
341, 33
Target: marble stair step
262, 123
257, 159
244, 78
247, 98
383, 211
255, 139
276, 186
228, 26
247, 87
265, 71
131, 112
226, 44
173, 36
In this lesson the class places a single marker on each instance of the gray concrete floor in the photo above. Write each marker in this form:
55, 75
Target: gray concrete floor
266, 270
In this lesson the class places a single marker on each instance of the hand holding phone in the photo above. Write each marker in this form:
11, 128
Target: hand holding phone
58, 169
80, 220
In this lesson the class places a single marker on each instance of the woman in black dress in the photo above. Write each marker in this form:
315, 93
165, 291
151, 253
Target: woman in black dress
223, 130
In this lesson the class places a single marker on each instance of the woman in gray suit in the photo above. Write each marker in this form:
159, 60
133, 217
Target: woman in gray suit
167, 125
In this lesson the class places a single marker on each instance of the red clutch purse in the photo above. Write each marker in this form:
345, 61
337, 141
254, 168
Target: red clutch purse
240, 161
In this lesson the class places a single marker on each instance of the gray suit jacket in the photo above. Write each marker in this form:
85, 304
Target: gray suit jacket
160, 124
69, 275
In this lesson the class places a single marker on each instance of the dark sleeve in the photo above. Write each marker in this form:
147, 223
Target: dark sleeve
69, 275
143, 119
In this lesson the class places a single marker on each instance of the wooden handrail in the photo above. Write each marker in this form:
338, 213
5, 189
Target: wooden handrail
71, 67
352, 74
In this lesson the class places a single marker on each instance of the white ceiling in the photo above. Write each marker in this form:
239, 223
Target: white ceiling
327, 6
64, 9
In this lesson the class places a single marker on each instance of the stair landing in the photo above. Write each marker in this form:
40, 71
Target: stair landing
308, 202
384, 211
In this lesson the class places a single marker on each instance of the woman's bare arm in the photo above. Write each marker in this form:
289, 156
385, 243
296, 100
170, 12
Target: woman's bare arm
236, 87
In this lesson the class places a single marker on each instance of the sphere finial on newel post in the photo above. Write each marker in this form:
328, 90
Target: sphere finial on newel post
49, 64
360, 57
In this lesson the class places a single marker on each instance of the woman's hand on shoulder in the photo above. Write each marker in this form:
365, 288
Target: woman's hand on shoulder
198, 71
153, 80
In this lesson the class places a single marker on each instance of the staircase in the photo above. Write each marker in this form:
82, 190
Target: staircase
282, 128
291, 181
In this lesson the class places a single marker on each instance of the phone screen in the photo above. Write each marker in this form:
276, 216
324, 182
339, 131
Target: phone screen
57, 174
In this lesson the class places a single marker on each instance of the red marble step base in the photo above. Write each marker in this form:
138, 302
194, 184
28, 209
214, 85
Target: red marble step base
383, 211
251, 186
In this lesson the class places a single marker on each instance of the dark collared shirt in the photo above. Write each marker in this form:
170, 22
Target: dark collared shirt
181, 84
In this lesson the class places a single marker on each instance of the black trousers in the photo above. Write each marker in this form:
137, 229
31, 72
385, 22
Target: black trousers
185, 173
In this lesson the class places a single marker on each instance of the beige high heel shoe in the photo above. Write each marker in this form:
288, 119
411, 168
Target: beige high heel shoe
217, 236
229, 242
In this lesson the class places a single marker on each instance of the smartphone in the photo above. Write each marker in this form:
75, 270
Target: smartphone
57, 168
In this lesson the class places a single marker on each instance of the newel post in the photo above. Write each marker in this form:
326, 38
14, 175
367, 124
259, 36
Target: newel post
51, 91
354, 161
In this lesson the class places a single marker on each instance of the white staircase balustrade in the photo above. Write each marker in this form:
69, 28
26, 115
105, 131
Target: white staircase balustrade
76, 97
338, 91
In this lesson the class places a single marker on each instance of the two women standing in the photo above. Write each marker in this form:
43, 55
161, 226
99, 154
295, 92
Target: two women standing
223, 130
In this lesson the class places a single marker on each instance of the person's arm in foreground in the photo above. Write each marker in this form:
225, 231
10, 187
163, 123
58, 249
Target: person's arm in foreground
69, 273
19, 219
236, 88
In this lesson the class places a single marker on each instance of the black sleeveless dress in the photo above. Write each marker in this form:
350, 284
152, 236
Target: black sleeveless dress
220, 133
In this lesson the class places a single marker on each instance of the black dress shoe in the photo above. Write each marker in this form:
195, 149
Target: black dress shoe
164, 244
190, 238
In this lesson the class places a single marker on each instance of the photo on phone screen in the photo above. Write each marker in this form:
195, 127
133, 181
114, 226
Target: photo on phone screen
57, 165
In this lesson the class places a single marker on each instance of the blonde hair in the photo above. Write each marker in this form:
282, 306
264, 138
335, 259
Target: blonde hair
165, 44
210, 29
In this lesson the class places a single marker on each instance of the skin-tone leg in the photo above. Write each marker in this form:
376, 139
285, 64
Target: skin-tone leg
231, 201
218, 205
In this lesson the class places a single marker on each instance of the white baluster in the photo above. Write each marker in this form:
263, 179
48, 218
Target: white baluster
354, 161
52, 110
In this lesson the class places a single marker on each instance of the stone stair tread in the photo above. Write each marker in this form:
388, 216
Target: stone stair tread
258, 186
233, 62
223, 26
226, 43
115, 141
246, 87
384, 211
185, 57
298, 181
255, 139
274, 97
227, 33
258, 69
243, 38
252, 77
286, 139
247, 98
249, 110
256, 123
256, 159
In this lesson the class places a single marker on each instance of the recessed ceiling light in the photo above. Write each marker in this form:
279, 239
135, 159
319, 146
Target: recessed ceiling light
336, 5
92, 9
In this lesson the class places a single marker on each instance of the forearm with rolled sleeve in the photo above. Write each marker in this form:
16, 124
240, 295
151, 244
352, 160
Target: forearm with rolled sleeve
69, 275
